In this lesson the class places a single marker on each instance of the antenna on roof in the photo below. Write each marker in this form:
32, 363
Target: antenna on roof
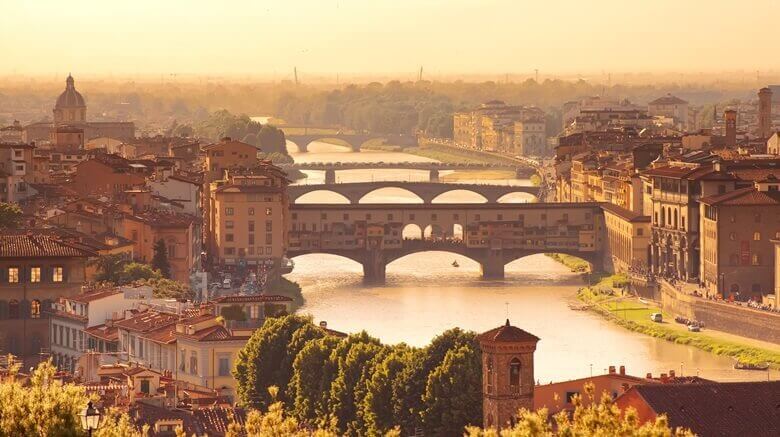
506, 304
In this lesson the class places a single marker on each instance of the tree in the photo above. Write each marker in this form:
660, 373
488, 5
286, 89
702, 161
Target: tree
169, 289
109, 267
313, 374
274, 423
378, 406
133, 271
45, 407
267, 358
114, 423
453, 393
602, 418
160, 259
10, 215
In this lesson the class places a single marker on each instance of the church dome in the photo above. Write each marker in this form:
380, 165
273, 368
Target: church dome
70, 98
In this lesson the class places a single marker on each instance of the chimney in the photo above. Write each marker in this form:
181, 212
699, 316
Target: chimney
671, 374
622, 370
611, 370
324, 324
649, 375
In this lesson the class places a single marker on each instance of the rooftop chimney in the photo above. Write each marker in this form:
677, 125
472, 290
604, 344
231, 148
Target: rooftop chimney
622, 370
611, 370
324, 324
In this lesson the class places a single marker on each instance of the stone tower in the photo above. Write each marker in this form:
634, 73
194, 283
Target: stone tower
70, 107
730, 117
507, 374
765, 113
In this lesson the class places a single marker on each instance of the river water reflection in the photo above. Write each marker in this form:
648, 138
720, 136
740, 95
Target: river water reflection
425, 295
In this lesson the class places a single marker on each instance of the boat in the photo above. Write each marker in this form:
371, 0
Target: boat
750, 366
455, 264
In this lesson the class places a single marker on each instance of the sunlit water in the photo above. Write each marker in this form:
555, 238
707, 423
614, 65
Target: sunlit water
425, 295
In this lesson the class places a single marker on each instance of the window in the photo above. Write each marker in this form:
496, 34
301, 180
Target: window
229, 224
230, 251
490, 375
755, 260
251, 211
35, 274
229, 211
268, 211
229, 238
57, 274
13, 275
193, 362
224, 366
756, 236
251, 239
640, 232
13, 309
145, 386
514, 375
269, 238
35, 309
251, 226
182, 359
570, 396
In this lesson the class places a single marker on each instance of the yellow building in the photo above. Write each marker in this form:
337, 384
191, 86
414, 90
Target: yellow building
628, 235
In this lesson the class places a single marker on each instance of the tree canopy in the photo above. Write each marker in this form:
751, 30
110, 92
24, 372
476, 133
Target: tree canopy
10, 215
160, 259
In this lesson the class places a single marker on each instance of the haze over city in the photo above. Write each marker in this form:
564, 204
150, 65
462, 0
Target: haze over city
428, 218
267, 38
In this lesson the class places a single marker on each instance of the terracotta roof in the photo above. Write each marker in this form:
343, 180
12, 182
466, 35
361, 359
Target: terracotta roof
668, 100
507, 334
744, 197
624, 213
107, 333
21, 245
215, 421
93, 295
147, 321
252, 298
680, 172
719, 409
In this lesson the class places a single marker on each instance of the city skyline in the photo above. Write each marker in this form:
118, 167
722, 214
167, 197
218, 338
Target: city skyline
352, 37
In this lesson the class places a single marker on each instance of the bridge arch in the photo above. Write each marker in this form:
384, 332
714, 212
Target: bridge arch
517, 197
439, 251
333, 197
366, 198
330, 254
434, 231
474, 197
412, 231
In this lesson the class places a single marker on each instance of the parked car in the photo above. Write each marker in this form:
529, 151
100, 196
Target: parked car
694, 327
657, 317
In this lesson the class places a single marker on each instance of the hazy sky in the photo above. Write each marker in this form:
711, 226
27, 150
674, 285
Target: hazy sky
374, 36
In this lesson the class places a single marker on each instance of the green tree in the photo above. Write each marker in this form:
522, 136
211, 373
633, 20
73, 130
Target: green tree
133, 271
274, 423
160, 259
109, 267
379, 403
45, 407
453, 393
170, 289
313, 375
10, 215
114, 423
267, 358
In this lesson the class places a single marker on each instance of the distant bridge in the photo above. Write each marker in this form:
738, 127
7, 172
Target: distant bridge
426, 191
354, 140
433, 168
490, 234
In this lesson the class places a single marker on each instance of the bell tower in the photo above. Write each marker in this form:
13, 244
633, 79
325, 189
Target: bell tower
507, 374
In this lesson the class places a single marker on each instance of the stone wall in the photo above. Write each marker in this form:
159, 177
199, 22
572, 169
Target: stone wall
746, 322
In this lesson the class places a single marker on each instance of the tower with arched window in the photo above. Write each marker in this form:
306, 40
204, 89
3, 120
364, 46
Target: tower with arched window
507, 374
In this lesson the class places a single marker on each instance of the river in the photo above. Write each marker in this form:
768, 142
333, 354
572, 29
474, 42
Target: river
425, 295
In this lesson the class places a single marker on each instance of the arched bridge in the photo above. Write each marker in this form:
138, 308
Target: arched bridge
427, 191
491, 234
433, 168
355, 141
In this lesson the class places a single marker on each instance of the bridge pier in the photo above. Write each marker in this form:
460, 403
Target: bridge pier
374, 267
492, 265
330, 176
355, 148
520, 173
433, 175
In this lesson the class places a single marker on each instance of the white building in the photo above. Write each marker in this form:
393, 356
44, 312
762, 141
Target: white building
672, 107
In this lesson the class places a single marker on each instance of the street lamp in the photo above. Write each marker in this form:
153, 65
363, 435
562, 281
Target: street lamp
90, 418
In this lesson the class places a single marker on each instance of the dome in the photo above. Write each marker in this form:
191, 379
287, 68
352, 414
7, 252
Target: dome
70, 98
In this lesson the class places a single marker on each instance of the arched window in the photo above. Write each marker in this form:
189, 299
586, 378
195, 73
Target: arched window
756, 236
13, 309
35, 309
514, 375
489, 375
663, 216
675, 218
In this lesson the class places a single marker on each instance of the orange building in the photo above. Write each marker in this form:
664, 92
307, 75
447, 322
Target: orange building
249, 216
107, 174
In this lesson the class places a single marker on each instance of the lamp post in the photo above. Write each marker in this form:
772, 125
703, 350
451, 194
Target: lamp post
90, 418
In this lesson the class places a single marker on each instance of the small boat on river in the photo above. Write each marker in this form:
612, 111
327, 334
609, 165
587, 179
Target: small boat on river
750, 366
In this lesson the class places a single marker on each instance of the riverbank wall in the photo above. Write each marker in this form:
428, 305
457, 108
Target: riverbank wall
730, 318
